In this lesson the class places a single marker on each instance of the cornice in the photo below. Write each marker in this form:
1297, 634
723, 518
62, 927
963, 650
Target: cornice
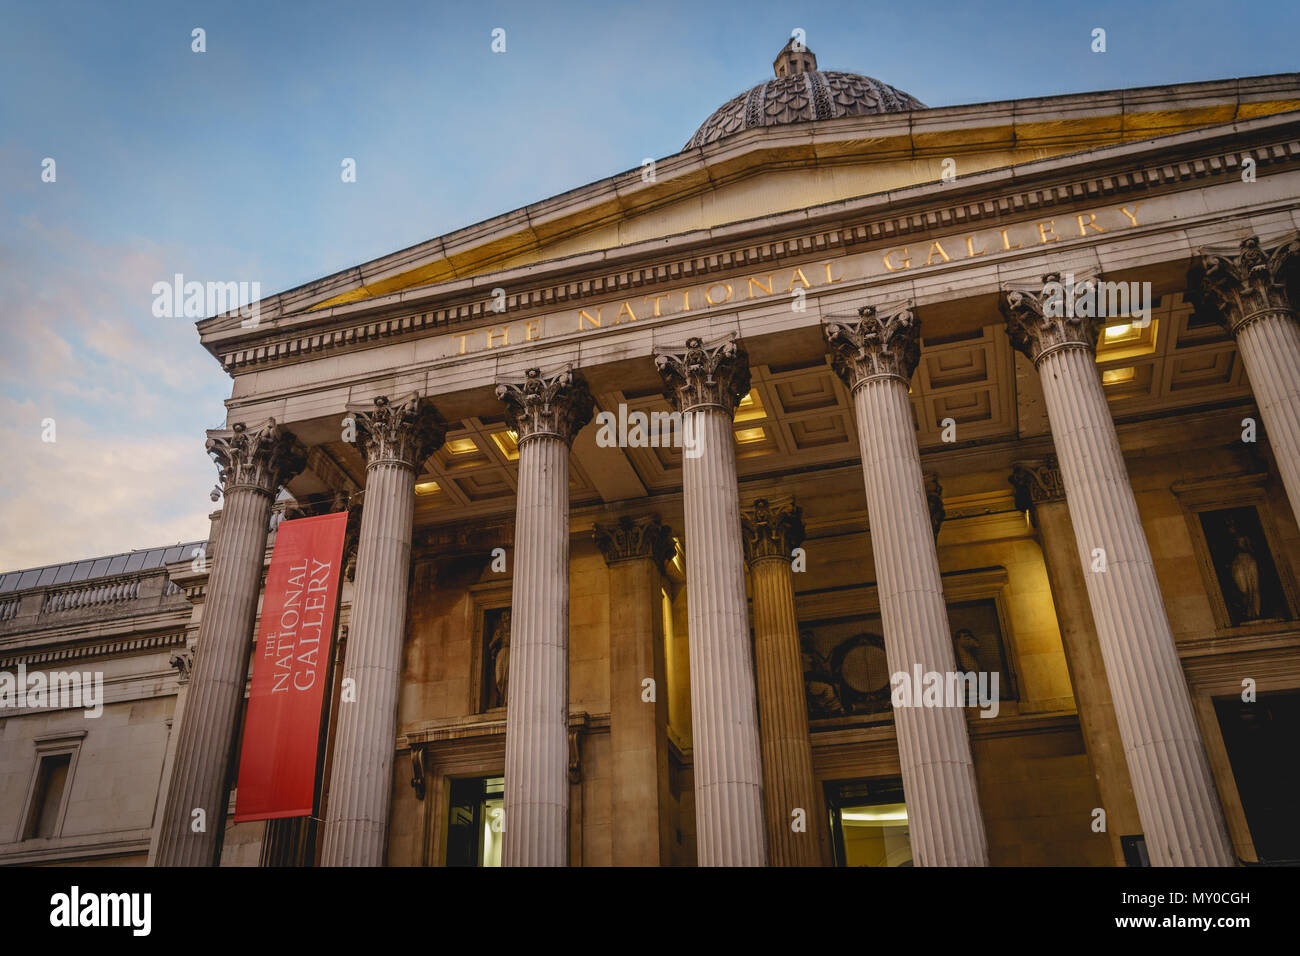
103, 648
986, 198
1100, 117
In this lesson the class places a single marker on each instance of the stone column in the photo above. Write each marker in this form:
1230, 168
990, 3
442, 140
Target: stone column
771, 531
636, 549
395, 438
1041, 492
704, 382
1254, 295
546, 413
876, 356
254, 463
1178, 805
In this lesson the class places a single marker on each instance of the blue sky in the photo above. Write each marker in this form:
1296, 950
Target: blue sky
225, 166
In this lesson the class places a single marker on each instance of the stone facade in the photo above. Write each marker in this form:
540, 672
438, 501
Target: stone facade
669, 528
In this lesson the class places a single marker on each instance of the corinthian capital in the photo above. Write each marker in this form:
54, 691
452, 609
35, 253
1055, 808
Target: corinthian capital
705, 373
631, 538
538, 406
1043, 320
1237, 289
404, 431
1037, 481
261, 458
882, 343
771, 529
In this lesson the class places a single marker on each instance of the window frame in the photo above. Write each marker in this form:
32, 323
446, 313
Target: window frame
49, 745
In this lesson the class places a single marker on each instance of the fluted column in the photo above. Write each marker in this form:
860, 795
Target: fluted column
1041, 492
1177, 803
395, 438
771, 531
635, 550
546, 413
876, 356
254, 464
704, 382
1254, 295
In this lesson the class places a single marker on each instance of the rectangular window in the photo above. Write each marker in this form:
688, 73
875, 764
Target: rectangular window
474, 823
868, 823
47, 800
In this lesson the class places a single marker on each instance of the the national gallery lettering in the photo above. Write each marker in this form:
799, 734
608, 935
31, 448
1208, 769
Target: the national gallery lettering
873, 485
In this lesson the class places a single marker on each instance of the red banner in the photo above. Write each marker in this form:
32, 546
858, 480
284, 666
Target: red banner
277, 765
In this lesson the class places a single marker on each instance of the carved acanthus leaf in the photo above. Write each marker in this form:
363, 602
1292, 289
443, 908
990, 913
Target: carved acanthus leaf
557, 406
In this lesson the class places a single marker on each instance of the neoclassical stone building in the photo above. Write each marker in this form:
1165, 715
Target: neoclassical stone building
908, 446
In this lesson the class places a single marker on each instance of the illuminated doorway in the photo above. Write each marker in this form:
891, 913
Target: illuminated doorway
868, 823
474, 823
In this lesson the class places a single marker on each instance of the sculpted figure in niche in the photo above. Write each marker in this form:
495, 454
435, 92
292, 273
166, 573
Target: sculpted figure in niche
499, 648
967, 648
1245, 572
1245, 567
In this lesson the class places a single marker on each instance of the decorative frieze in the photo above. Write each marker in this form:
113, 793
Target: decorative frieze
705, 374
557, 406
631, 538
1236, 290
261, 458
883, 342
1043, 321
771, 529
402, 432
366, 330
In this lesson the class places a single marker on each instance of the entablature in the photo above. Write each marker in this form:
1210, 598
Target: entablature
987, 201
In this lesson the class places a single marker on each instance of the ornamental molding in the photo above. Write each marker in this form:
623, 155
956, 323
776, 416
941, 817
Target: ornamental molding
1238, 287
635, 539
761, 253
771, 529
477, 536
261, 458
884, 342
1044, 320
404, 431
705, 374
1037, 481
557, 406
132, 645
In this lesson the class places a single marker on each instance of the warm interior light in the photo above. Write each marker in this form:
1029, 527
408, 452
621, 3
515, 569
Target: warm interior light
426, 487
508, 442
887, 813
748, 435
750, 407
462, 446
1116, 331
1114, 376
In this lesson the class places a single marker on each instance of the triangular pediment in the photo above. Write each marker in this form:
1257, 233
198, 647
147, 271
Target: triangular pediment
764, 172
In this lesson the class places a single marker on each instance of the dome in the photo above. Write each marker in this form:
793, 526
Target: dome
801, 93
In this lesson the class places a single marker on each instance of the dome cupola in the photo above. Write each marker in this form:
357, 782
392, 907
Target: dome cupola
801, 93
